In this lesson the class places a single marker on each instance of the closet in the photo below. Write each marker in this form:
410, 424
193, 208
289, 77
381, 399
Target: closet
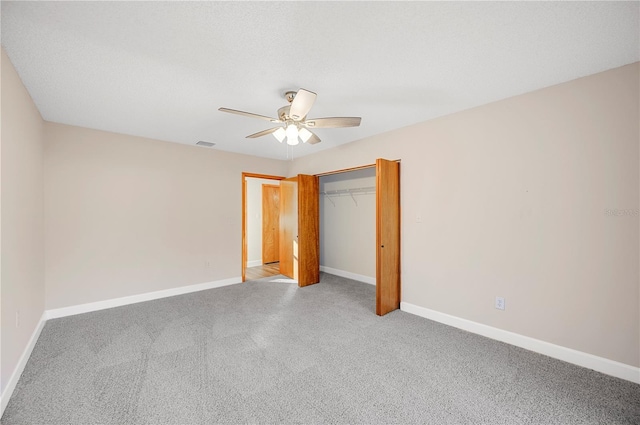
348, 224
300, 222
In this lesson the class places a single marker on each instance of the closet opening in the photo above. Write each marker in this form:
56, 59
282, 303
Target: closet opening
359, 233
348, 224
260, 225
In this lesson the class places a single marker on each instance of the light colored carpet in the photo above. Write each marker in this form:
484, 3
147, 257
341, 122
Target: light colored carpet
269, 352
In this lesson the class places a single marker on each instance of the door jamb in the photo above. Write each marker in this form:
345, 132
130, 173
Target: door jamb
244, 213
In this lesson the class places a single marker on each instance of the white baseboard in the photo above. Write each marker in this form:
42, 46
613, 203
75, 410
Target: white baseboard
254, 263
22, 362
117, 302
349, 275
600, 364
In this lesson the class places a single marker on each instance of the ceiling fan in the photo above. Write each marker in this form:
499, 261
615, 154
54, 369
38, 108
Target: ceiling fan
294, 117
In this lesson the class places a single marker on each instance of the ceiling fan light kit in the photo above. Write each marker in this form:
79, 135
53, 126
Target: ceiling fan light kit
293, 116
280, 134
292, 134
304, 134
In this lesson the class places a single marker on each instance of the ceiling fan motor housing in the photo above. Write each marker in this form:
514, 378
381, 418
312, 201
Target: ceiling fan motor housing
283, 113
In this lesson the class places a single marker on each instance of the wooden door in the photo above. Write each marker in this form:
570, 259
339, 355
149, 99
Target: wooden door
387, 236
308, 230
270, 223
288, 227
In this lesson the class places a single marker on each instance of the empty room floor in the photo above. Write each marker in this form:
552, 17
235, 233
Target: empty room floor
269, 352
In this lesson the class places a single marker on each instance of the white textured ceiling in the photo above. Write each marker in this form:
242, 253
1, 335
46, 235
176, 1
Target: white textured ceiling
162, 69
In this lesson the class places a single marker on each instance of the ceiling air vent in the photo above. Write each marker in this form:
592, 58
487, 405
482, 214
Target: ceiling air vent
207, 144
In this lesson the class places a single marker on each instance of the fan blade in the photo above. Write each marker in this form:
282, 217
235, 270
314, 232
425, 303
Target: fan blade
262, 133
333, 122
249, 114
302, 103
313, 139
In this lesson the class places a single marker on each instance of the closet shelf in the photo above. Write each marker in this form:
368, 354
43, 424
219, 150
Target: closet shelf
340, 192
349, 192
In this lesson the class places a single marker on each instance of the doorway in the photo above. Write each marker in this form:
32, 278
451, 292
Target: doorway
260, 220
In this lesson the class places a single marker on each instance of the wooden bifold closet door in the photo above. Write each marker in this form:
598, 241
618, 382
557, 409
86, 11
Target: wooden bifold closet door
387, 236
308, 230
299, 229
300, 232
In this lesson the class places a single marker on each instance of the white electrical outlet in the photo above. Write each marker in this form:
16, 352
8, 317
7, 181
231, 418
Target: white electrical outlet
207, 264
17, 318
418, 218
500, 303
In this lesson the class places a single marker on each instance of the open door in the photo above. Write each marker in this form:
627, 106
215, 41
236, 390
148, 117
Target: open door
270, 223
387, 236
288, 244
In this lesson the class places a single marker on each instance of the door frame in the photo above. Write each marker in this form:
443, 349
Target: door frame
244, 213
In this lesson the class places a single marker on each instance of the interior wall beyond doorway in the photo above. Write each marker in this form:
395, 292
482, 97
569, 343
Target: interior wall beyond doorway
254, 219
348, 224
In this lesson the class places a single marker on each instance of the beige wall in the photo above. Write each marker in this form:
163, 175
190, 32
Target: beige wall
348, 227
126, 215
515, 199
22, 240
